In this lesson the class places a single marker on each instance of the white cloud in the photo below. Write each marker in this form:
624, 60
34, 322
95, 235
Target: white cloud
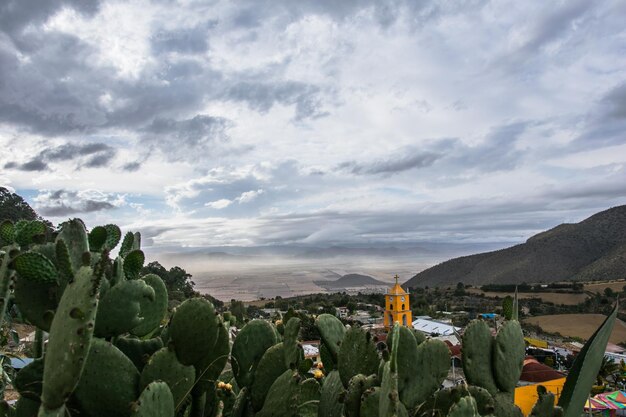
219, 204
249, 196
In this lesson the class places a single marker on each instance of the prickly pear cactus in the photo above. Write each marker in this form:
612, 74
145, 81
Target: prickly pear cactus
155, 401
249, 347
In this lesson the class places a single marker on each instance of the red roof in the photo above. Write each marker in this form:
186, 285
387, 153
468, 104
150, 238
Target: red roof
534, 371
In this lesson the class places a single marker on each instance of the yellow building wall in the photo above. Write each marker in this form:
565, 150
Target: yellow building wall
397, 313
526, 397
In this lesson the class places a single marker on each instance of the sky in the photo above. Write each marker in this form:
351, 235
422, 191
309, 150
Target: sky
255, 123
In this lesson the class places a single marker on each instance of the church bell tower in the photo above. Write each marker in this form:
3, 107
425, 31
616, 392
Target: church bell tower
397, 308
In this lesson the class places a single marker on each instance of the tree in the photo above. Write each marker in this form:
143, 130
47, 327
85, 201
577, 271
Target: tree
14, 208
507, 307
238, 310
460, 289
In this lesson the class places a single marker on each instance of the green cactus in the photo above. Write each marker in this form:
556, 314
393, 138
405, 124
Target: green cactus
508, 356
356, 387
421, 369
109, 383
97, 238
113, 236
465, 407
370, 401
74, 234
478, 356
270, 367
29, 232
37, 301
194, 330
332, 332
6, 280
29, 380
120, 308
544, 407
7, 233
155, 401
153, 311
137, 350
164, 366
248, 348
133, 262
357, 355
290, 342
127, 244
330, 396
71, 331
212, 364
34, 266
289, 395
585, 369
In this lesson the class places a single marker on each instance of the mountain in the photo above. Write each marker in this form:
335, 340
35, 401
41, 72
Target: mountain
350, 281
595, 248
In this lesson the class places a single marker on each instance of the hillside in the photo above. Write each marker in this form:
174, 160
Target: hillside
595, 248
350, 281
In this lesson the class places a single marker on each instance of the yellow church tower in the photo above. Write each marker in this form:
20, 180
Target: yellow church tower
397, 308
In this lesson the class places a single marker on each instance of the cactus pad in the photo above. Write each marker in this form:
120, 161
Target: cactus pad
155, 401
271, 366
133, 262
251, 343
477, 356
163, 366
154, 310
70, 337
194, 330
34, 266
120, 308
292, 350
137, 350
109, 384
97, 238
508, 355
332, 332
74, 234
357, 355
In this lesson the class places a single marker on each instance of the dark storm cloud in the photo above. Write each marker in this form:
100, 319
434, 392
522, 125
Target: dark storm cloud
17, 14
402, 161
261, 96
63, 203
606, 123
131, 166
189, 40
33, 165
89, 155
187, 139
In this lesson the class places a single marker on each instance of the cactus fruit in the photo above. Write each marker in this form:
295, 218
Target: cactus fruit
357, 355
290, 342
120, 308
163, 366
155, 401
109, 384
34, 266
153, 311
332, 332
270, 367
70, 337
251, 343
137, 350
133, 262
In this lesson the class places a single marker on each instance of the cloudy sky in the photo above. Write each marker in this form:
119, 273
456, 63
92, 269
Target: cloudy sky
207, 123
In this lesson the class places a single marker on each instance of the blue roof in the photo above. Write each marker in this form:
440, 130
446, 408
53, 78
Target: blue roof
19, 363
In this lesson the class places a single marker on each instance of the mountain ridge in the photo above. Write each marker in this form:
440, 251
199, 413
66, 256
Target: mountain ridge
594, 248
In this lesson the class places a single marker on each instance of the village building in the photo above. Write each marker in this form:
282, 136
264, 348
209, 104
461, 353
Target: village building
397, 308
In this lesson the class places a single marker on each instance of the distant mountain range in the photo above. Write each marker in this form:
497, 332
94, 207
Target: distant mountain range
351, 281
595, 248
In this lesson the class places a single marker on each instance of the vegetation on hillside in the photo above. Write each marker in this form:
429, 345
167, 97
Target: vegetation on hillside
594, 249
